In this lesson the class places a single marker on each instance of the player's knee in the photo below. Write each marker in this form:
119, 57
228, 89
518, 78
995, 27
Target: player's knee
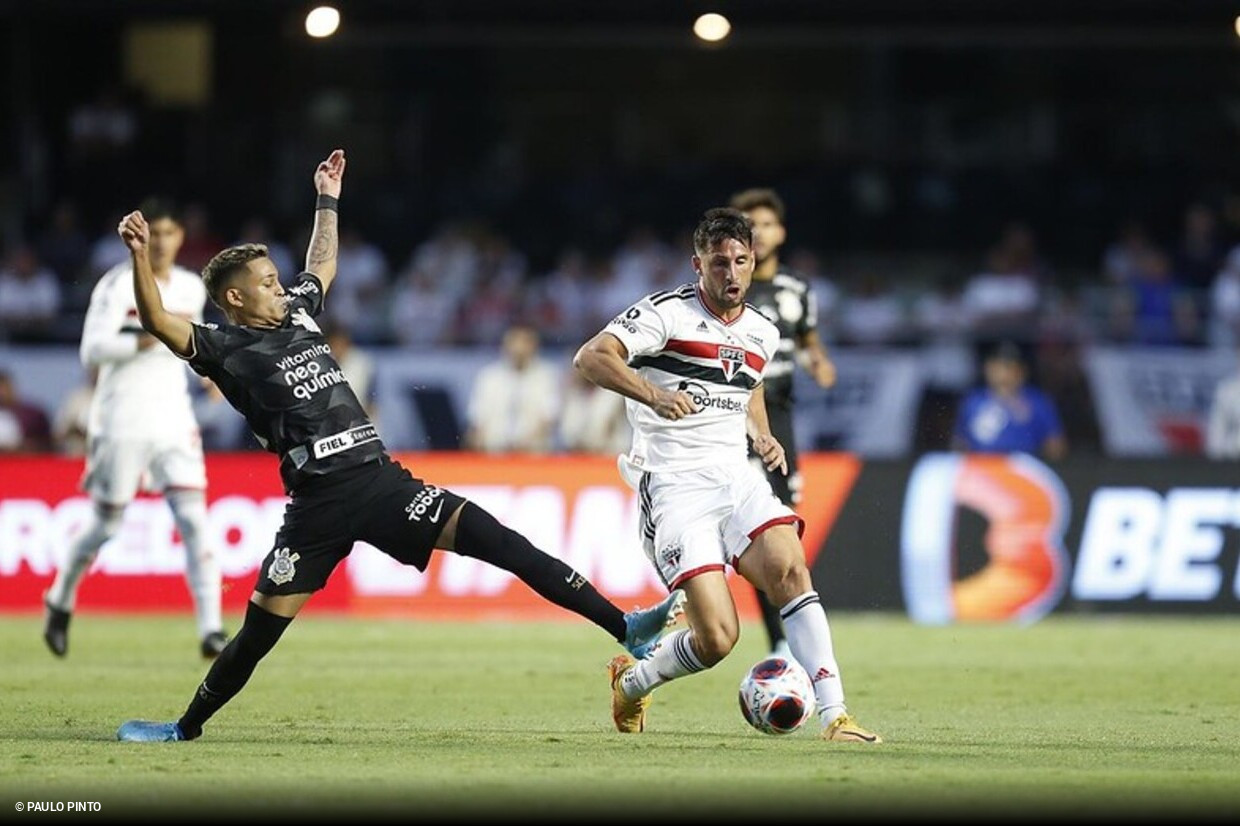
108, 519
787, 579
715, 641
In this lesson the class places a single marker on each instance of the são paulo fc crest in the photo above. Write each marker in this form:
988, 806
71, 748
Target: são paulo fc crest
670, 554
282, 569
731, 358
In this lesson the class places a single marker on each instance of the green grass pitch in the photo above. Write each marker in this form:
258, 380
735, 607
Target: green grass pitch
1096, 717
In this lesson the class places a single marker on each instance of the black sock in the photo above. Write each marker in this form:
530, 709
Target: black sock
770, 618
233, 667
480, 535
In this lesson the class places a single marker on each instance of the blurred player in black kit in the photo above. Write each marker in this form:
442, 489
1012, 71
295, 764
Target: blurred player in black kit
787, 301
272, 363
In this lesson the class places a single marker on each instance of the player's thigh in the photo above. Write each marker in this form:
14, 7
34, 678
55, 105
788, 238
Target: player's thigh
114, 469
312, 540
406, 516
178, 464
685, 512
754, 510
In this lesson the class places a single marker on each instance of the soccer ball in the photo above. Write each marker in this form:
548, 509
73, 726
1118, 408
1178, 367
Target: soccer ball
777, 696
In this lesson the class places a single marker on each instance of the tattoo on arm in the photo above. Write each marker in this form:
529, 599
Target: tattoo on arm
323, 244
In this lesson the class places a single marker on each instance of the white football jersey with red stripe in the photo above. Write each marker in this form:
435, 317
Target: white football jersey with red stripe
675, 342
140, 394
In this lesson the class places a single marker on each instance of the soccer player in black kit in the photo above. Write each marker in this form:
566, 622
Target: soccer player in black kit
787, 301
274, 365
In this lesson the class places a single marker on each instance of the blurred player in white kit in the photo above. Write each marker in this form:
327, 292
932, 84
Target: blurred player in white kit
142, 433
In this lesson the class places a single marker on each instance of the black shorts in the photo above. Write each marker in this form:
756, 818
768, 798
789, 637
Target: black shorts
379, 502
787, 488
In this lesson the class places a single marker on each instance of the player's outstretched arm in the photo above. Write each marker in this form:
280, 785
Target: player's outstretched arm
324, 240
173, 330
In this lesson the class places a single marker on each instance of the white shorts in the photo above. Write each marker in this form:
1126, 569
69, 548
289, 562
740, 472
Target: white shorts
116, 469
702, 520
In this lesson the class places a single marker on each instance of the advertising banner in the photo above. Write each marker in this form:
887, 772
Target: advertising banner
574, 508
973, 538
1154, 401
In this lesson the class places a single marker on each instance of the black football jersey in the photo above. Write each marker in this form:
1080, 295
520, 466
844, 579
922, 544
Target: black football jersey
290, 389
787, 302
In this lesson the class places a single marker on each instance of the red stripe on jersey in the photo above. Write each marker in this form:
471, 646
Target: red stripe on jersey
709, 350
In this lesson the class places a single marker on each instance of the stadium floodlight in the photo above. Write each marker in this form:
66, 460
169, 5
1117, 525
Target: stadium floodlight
322, 21
712, 27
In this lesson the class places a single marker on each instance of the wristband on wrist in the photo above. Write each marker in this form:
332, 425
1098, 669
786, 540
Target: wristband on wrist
327, 202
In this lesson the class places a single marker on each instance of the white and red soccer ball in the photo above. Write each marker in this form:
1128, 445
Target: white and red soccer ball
777, 696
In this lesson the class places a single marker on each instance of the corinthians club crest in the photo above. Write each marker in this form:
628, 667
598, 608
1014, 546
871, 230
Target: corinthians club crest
731, 358
282, 569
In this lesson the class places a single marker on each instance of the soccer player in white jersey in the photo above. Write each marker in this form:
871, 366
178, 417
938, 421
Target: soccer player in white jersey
689, 363
142, 434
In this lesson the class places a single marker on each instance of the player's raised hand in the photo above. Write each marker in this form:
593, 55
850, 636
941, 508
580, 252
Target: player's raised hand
672, 404
771, 452
134, 231
329, 174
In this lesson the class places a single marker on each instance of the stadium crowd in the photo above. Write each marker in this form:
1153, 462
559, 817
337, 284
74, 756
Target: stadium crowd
467, 284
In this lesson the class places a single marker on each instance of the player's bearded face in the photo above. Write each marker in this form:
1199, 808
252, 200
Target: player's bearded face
725, 273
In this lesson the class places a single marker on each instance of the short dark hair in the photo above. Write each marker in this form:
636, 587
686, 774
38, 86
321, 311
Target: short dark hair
750, 199
157, 207
219, 271
718, 225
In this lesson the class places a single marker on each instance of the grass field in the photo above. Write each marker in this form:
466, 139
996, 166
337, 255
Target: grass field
1105, 718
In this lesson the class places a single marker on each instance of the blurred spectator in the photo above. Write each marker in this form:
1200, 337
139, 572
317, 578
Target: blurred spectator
938, 312
1224, 315
1223, 420
809, 265
514, 401
1007, 415
593, 420
1154, 309
30, 297
1201, 251
357, 366
107, 250
69, 425
1004, 299
560, 303
872, 314
1121, 260
24, 427
498, 296
201, 241
65, 247
423, 312
450, 256
359, 291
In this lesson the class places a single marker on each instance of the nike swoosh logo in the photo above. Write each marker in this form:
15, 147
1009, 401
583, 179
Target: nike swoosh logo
434, 517
869, 738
